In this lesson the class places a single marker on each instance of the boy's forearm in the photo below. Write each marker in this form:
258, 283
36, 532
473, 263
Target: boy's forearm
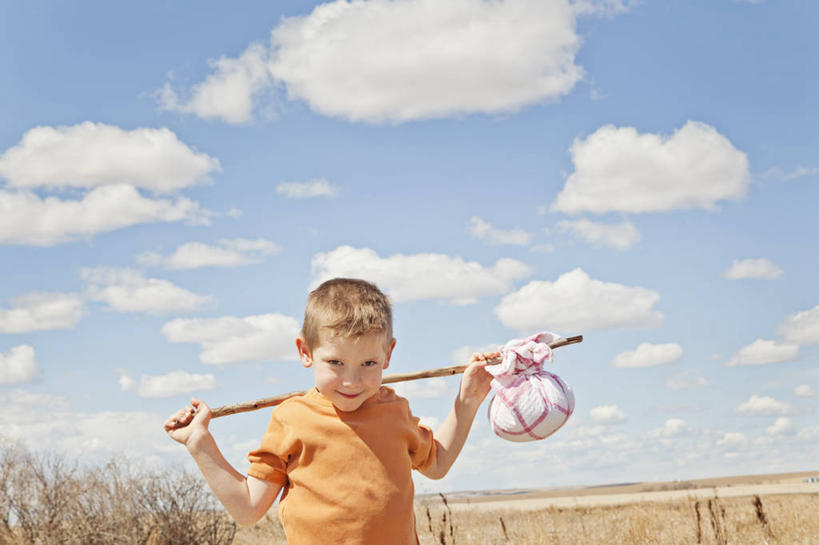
451, 436
228, 485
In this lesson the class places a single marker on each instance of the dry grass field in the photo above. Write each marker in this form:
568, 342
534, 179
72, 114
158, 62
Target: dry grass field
764, 510
47, 500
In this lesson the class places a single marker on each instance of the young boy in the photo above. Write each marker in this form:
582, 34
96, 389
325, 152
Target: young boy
343, 452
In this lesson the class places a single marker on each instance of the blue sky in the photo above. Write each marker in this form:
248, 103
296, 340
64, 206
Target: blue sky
174, 178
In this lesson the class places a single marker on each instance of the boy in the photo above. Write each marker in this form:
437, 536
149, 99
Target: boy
343, 452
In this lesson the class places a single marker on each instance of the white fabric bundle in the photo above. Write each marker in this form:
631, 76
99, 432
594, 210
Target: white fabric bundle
529, 403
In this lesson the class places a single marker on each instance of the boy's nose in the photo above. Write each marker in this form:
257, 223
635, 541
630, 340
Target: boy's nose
350, 378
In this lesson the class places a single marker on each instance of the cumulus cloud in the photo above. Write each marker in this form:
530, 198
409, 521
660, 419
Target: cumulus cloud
306, 190
649, 355
804, 390
40, 311
94, 436
26, 218
802, 327
422, 389
404, 60
19, 366
577, 302
603, 7
673, 427
618, 169
762, 352
94, 154
782, 426
482, 230
127, 290
763, 406
752, 268
229, 92
733, 441
685, 381
620, 236
230, 339
420, 276
607, 414
228, 253
172, 384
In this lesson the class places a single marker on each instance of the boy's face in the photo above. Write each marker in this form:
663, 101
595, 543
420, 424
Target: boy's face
347, 369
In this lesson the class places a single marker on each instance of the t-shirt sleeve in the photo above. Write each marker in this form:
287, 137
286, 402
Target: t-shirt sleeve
279, 446
422, 446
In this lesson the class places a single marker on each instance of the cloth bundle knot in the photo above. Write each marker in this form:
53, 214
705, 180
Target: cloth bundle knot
529, 403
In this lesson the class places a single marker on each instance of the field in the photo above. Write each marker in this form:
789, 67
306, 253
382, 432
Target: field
46, 499
748, 510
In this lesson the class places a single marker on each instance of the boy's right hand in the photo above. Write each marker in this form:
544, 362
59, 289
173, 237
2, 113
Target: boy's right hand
188, 422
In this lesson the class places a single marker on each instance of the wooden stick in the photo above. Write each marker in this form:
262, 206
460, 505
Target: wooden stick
387, 379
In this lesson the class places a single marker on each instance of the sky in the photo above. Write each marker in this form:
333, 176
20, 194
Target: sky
176, 176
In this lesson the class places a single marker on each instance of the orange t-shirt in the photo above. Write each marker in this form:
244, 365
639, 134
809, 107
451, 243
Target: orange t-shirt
346, 475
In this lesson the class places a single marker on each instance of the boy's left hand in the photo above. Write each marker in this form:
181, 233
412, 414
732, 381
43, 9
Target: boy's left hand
476, 379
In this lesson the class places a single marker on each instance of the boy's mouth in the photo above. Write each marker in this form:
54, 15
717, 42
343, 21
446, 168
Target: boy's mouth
348, 396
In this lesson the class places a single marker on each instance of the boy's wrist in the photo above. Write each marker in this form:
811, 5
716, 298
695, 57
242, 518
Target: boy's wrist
197, 441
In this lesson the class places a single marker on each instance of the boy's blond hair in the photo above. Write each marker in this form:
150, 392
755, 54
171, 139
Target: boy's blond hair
348, 307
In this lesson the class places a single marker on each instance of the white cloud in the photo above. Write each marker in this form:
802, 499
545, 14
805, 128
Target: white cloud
733, 441
802, 327
482, 230
604, 7
801, 171
782, 426
685, 381
403, 60
648, 355
576, 302
618, 169
127, 290
431, 422
420, 276
620, 236
422, 389
229, 339
804, 390
752, 268
19, 366
229, 253
25, 218
172, 384
607, 414
228, 93
673, 427
543, 248
306, 190
94, 436
40, 311
762, 352
763, 406
94, 154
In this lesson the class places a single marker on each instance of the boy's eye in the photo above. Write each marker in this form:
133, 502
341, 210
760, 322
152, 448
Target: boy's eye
370, 363
334, 362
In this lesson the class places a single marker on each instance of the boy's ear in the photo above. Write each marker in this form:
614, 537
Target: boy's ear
305, 354
389, 354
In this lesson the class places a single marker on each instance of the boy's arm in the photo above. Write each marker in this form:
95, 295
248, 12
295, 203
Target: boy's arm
247, 499
451, 435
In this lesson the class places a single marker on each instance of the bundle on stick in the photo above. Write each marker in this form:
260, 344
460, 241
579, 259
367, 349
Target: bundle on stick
529, 403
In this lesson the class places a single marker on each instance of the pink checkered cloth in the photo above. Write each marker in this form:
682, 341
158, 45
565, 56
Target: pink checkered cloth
529, 403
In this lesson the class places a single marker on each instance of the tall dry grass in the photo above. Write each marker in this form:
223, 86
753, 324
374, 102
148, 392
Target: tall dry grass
751, 520
49, 500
